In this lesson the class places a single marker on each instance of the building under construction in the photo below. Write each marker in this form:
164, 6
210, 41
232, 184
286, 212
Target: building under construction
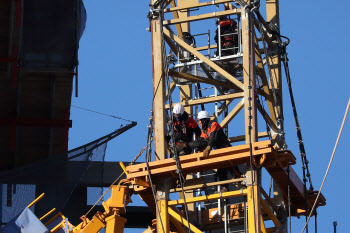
237, 67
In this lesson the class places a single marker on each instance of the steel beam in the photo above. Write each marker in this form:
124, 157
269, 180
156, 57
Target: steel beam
250, 112
238, 84
201, 17
209, 100
203, 4
195, 78
232, 114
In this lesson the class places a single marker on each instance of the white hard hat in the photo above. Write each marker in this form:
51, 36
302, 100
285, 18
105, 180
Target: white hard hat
178, 110
203, 115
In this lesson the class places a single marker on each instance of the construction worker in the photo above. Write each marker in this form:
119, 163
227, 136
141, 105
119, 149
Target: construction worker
184, 128
229, 40
213, 137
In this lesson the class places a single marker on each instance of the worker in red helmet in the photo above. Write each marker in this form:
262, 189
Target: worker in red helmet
184, 129
228, 36
213, 137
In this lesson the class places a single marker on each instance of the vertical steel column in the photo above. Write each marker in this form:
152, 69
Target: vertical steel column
159, 116
250, 110
185, 27
158, 89
187, 94
163, 219
272, 16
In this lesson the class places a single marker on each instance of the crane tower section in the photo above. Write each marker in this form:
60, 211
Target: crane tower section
224, 57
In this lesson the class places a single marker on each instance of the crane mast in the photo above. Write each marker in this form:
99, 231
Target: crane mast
239, 78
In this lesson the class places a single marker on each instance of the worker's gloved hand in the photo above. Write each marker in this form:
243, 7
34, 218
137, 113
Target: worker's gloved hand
194, 144
206, 152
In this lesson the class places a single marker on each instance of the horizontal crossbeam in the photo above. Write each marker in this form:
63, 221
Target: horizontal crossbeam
215, 196
195, 78
209, 100
202, 4
196, 162
201, 17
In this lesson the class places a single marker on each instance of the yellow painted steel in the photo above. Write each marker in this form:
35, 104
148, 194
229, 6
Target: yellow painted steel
203, 4
115, 224
183, 221
253, 214
238, 84
54, 217
209, 197
123, 167
56, 228
201, 17
36, 200
232, 114
94, 226
163, 217
47, 214
263, 229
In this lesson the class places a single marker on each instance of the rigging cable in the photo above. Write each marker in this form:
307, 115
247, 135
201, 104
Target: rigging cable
272, 84
315, 221
289, 211
115, 181
304, 160
165, 72
172, 145
329, 165
148, 158
150, 128
282, 45
89, 110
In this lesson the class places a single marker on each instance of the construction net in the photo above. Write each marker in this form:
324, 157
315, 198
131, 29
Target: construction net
58, 177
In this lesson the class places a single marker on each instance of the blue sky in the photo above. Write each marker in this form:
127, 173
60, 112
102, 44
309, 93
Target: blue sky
115, 77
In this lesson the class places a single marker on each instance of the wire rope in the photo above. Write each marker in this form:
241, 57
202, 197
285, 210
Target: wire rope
148, 156
89, 110
329, 165
116, 180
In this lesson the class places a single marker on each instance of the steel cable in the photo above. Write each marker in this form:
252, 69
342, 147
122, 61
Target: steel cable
304, 160
115, 181
148, 156
89, 110
329, 165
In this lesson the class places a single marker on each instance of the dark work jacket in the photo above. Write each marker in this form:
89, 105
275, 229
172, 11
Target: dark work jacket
215, 136
184, 130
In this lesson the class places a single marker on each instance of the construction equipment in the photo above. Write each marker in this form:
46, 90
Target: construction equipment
244, 75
